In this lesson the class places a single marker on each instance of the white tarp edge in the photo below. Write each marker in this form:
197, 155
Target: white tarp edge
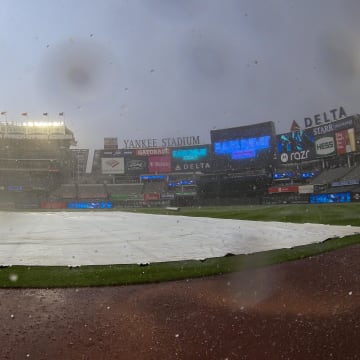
97, 238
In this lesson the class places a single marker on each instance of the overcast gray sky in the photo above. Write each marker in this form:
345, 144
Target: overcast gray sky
167, 68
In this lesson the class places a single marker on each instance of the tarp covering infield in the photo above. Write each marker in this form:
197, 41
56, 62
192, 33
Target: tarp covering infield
101, 238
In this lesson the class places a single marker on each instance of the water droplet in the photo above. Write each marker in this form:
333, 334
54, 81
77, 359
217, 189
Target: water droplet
350, 293
13, 277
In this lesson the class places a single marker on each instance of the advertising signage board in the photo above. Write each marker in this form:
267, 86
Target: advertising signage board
112, 166
191, 159
159, 164
332, 127
152, 152
325, 146
345, 141
283, 189
136, 165
338, 137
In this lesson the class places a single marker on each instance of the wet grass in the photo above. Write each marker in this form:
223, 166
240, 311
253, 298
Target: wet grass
57, 276
334, 214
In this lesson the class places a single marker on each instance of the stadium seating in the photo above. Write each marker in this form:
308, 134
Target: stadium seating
353, 174
65, 192
328, 176
155, 187
124, 189
92, 192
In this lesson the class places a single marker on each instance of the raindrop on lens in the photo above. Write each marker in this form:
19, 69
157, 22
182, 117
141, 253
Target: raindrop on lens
13, 277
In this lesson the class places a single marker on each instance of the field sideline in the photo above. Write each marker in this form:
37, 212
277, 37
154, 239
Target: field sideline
333, 214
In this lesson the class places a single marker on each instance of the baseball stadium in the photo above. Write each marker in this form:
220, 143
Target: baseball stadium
179, 180
249, 201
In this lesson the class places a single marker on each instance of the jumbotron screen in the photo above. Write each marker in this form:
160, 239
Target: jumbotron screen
244, 147
190, 153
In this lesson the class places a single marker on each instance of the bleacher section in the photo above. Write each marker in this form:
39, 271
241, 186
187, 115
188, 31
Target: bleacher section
155, 187
328, 176
353, 174
124, 189
65, 192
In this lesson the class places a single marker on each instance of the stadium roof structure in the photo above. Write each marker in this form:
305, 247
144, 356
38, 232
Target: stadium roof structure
40, 130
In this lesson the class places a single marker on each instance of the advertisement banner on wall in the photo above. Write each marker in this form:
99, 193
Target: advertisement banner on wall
117, 152
345, 141
136, 165
153, 152
306, 189
112, 165
283, 189
325, 146
151, 197
159, 164
333, 127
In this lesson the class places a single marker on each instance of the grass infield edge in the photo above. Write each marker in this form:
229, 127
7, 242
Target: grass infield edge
111, 275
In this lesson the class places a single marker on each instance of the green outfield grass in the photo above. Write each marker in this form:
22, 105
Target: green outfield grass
54, 276
333, 214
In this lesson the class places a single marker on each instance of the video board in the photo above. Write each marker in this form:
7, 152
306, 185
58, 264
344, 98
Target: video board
90, 205
244, 147
191, 159
343, 197
295, 146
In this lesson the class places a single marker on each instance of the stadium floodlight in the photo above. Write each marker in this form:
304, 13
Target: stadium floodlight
43, 123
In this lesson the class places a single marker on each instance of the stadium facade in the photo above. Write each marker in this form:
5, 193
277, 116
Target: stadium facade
39, 167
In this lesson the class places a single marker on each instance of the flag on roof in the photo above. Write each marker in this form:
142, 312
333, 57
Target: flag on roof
295, 126
61, 114
24, 114
3, 112
45, 114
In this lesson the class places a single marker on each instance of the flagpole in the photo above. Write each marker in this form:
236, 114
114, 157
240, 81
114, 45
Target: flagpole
62, 114
26, 114
5, 113
47, 115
